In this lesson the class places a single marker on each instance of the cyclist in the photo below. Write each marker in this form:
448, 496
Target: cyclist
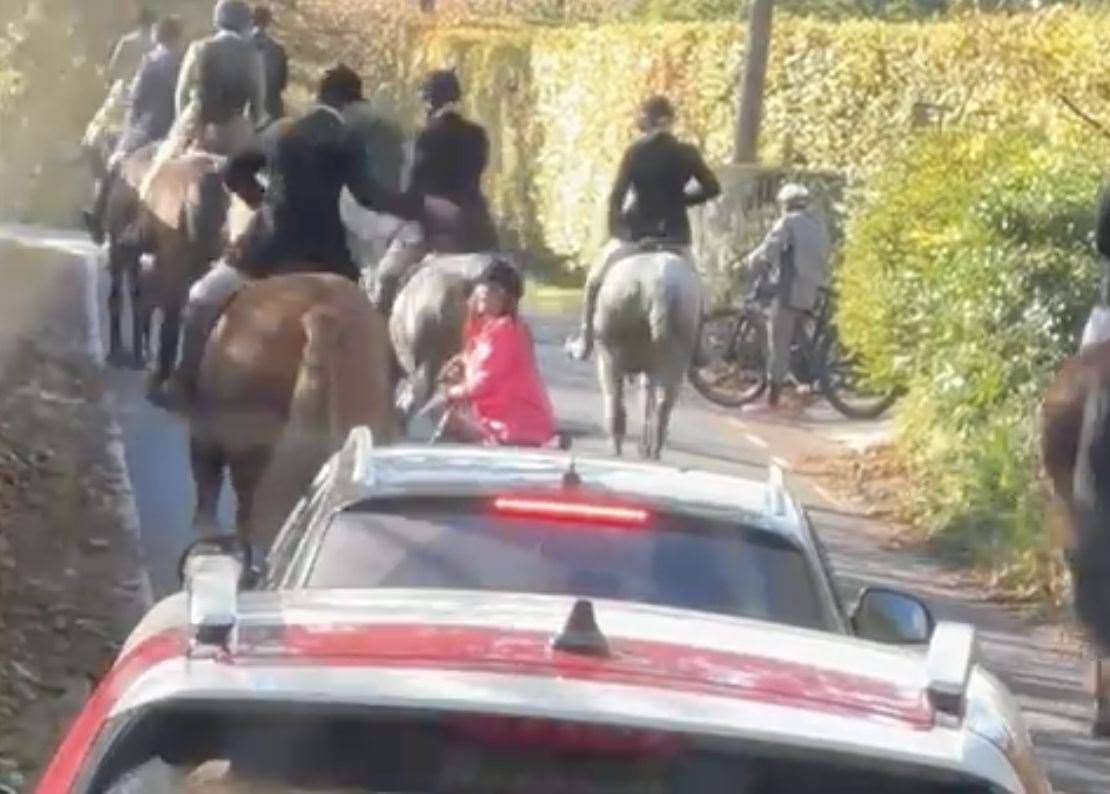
792, 261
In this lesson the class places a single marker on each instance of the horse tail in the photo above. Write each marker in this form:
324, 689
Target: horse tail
665, 294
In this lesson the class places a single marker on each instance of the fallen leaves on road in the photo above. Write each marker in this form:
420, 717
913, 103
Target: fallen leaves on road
59, 536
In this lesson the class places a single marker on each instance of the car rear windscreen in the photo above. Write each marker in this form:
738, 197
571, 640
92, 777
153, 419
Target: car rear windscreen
247, 748
664, 559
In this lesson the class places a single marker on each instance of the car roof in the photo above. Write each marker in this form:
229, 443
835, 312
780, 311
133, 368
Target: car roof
492, 653
363, 471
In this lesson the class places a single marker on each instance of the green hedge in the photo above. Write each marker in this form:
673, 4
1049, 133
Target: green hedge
844, 95
967, 274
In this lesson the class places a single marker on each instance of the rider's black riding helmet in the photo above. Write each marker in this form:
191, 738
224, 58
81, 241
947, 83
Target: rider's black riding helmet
440, 88
654, 110
233, 15
340, 86
504, 275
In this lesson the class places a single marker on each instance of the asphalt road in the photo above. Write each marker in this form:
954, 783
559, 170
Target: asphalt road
1040, 668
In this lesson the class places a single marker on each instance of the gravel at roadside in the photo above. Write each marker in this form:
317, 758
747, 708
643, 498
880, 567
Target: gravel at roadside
70, 575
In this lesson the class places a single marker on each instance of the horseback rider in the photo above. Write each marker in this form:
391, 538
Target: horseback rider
658, 169
494, 392
793, 259
449, 157
296, 224
221, 89
275, 62
151, 114
1097, 328
102, 132
131, 48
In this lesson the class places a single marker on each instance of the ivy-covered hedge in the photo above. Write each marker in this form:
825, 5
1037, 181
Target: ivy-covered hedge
559, 101
966, 276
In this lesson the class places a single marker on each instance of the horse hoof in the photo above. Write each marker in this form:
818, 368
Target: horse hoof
137, 363
1100, 729
117, 358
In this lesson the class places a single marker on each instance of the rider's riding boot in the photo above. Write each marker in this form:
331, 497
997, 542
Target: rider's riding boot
384, 293
93, 225
179, 391
774, 391
581, 347
94, 217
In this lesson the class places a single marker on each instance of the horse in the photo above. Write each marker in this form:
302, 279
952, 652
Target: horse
121, 218
1075, 451
182, 224
647, 319
427, 320
295, 362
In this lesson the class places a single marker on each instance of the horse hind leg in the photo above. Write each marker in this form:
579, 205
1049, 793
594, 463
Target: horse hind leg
208, 463
115, 300
140, 318
247, 472
668, 396
651, 411
612, 396
169, 338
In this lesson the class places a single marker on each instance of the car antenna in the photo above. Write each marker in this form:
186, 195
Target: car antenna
581, 635
571, 478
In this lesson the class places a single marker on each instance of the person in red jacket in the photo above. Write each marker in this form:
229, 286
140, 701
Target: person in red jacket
494, 391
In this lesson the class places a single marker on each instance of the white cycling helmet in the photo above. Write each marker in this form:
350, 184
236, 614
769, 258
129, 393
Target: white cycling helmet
793, 193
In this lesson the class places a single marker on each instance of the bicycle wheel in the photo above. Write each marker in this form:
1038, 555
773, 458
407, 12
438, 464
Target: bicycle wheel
730, 364
843, 387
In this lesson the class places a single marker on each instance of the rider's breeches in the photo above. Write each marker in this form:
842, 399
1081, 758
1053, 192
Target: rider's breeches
782, 322
399, 260
207, 299
217, 286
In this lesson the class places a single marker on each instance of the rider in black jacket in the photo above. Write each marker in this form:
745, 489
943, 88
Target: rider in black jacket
450, 155
296, 225
657, 168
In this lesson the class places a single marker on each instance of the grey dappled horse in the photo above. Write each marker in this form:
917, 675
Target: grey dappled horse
646, 323
427, 320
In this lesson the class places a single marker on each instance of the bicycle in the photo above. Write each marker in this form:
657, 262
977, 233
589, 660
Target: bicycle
730, 365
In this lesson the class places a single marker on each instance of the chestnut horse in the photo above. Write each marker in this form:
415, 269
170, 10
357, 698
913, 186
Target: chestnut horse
1075, 448
293, 365
183, 224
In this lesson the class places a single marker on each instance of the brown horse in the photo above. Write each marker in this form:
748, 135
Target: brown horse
1075, 448
183, 224
121, 216
294, 364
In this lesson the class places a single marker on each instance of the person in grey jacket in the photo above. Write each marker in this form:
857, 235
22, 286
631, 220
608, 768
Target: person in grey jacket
221, 90
794, 258
151, 114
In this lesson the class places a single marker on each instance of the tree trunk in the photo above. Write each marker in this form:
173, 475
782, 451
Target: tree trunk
755, 78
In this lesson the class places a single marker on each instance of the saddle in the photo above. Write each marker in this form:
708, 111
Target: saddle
649, 245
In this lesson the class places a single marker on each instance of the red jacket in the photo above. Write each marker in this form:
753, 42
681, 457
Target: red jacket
503, 384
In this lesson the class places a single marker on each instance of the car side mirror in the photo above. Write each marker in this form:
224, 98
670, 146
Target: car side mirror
892, 617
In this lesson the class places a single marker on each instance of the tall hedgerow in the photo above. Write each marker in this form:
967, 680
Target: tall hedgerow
966, 276
841, 95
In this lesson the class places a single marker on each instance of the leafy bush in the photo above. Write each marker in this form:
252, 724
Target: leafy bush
559, 100
967, 274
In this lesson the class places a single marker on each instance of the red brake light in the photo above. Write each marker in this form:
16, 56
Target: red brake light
563, 510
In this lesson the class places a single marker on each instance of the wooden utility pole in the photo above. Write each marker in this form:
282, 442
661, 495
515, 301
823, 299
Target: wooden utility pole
755, 79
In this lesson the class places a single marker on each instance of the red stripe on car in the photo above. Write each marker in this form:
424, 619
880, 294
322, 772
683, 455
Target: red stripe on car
71, 754
657, 665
